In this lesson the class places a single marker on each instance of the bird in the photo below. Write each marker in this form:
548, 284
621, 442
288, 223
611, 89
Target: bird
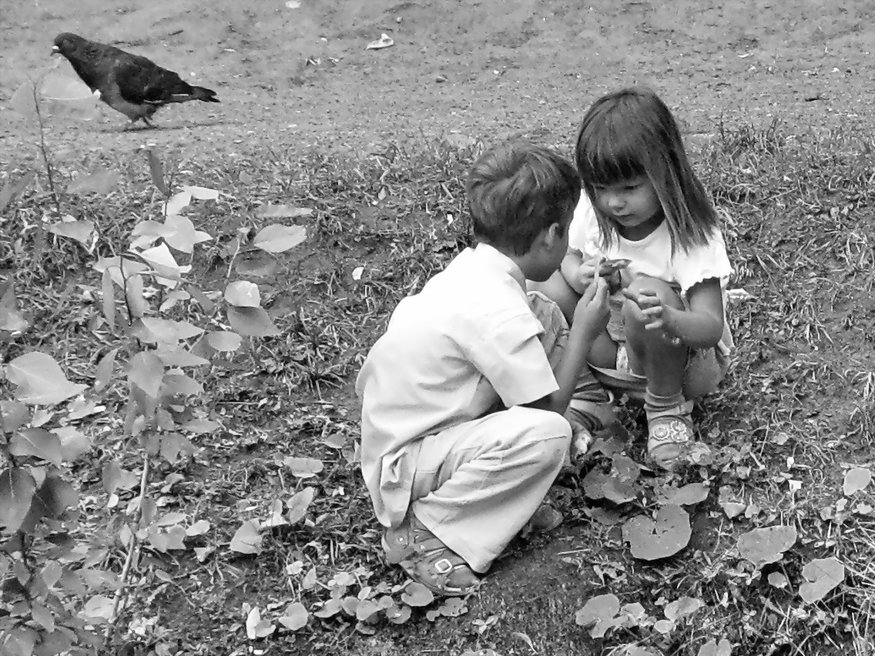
131, 84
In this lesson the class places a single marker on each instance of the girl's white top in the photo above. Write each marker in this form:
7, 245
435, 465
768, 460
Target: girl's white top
652, 257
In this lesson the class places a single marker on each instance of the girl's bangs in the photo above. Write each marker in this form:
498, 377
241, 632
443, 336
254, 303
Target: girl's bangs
610, 157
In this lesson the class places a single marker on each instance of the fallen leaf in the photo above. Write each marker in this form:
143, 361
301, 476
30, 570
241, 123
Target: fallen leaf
778, 580
821, 576
688, 495
295, 617
247, 539
417, 595
682, 607
40, 380
664, 536
766, 545
713, 648
599, 613
856, 479
256, 627
200, 527
303, 467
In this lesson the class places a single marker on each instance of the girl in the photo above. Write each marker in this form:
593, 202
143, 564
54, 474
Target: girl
647, 225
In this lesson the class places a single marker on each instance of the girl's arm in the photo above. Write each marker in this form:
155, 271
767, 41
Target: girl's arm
700, 326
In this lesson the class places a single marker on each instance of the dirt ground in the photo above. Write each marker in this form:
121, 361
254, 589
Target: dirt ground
301, 79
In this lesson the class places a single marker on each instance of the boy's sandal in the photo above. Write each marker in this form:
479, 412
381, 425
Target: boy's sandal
668, 439
427, 560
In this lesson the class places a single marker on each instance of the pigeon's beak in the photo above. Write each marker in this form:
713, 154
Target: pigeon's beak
56, 50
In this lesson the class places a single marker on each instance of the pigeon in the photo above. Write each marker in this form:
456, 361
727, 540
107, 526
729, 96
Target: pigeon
130, 84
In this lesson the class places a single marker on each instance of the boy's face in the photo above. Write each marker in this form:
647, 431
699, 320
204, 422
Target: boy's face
553, 248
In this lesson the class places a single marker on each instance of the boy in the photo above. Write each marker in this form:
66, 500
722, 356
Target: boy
462, 412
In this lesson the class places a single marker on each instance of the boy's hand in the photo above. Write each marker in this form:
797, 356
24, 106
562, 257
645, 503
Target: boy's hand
592, 311
654, 314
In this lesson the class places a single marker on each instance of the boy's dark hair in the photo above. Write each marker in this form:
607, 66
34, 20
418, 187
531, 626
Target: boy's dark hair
516, 190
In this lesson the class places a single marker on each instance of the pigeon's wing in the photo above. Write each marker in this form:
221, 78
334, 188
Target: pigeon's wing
141, 80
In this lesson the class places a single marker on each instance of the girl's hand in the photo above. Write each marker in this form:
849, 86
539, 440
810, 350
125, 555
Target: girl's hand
592, 311
586, 272
654, 314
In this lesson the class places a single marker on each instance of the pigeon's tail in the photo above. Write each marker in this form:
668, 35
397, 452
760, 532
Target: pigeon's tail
202, 93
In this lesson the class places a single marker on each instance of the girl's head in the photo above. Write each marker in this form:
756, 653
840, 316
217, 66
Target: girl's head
631, 134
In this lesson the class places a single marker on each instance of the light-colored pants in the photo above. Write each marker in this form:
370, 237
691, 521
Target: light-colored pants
479, 482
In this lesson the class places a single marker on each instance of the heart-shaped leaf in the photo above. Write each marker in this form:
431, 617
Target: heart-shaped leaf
661, 537
821, 575
200, 527
295, 617
766, 545
417, 595
257, 628
80, 231
298, 505
713, 648
224, 340
599, 613
247, 539
39, 443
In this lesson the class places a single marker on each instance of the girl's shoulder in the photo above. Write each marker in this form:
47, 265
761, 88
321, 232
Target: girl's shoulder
702, 261
584, 228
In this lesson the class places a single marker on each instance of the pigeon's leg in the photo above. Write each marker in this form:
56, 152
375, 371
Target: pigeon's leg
148, 122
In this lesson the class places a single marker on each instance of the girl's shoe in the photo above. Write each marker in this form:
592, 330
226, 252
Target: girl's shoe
427, 560
669, 434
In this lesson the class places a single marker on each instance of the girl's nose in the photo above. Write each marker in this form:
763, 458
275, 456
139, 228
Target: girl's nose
615, 201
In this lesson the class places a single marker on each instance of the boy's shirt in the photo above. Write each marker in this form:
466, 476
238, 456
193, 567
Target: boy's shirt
450, 354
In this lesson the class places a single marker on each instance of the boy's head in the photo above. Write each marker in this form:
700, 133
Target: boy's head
516, 191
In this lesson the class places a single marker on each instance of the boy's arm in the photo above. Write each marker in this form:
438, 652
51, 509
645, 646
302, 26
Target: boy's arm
590, 318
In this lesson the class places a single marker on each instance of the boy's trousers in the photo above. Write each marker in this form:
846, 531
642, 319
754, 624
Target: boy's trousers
479, 482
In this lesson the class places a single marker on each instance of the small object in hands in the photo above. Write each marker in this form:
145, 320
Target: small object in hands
619, 263
130, 84
384, 41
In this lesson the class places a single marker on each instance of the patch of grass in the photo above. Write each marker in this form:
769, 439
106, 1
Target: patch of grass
797, 410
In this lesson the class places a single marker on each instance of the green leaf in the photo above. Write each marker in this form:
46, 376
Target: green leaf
178, 357
13, 415
168, 331
224, 340
18, 641
108, 298
243, 293
177, 202
682, 607
295, 616
81, 231
688, 495
200, 527
251, 321
398, 614
11, 320
39, 443
134, 298
17, 488
712, 648
661, 537
277, 238
162, 262
822, 575
111, 476
766, 545
40, 380
103, 372
53, 497
179, 232
257, 628
101, 182
172, 444
146, 372
12, 189
329, 609
202, 193
97, 610
247, 539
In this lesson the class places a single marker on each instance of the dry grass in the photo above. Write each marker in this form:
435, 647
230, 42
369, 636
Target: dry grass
797, 410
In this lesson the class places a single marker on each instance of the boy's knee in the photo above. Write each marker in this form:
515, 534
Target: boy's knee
548, 430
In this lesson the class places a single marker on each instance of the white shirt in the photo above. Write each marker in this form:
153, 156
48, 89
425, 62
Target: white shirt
449, 354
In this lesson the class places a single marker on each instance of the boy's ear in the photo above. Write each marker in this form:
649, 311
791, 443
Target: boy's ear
555, 232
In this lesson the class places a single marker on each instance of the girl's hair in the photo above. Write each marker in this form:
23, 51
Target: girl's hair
518, 189
631, 133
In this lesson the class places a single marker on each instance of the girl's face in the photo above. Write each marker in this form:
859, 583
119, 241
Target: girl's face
632, 205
